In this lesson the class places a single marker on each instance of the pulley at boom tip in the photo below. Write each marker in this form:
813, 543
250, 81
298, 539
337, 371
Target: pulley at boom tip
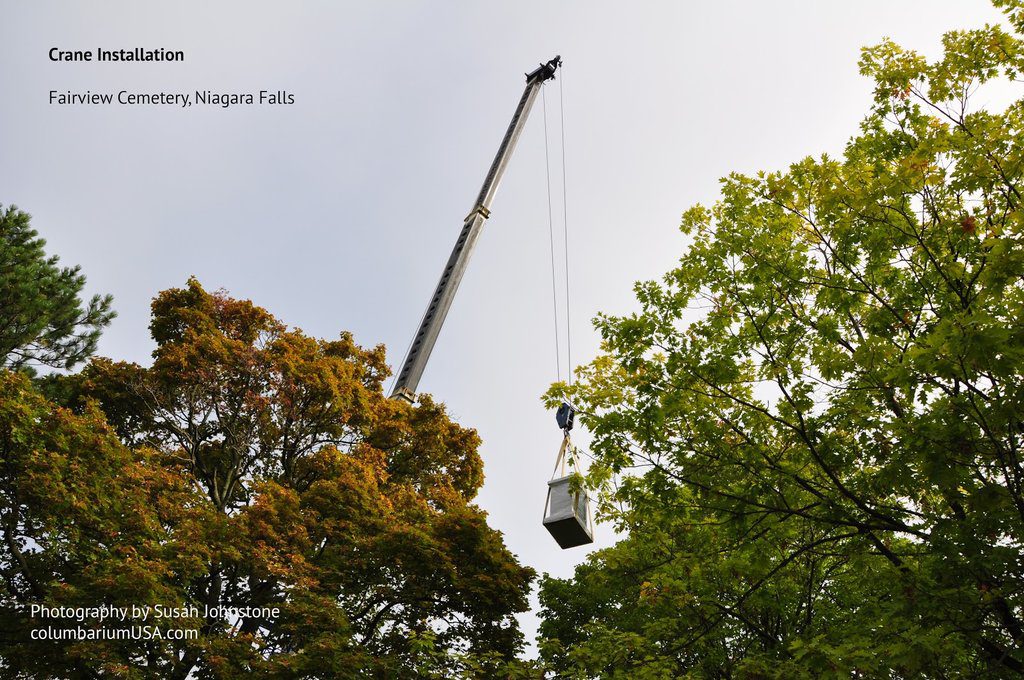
545, 71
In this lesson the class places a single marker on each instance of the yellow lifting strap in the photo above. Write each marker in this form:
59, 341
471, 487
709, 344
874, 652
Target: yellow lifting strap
565, 458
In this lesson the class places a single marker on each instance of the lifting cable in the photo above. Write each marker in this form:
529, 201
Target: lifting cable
551, 235
565, 228
565, 235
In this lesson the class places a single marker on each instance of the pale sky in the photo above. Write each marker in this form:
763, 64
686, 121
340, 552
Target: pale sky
338, 212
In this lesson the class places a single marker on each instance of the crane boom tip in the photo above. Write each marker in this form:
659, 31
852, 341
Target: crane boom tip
545, 71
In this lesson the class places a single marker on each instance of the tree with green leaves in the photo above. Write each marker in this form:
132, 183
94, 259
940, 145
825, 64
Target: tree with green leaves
812, 430
43, 319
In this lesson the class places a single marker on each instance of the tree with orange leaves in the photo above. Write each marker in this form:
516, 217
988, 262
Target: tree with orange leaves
300, 488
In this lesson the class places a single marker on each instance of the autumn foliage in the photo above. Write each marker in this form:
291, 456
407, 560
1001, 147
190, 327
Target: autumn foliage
250, 466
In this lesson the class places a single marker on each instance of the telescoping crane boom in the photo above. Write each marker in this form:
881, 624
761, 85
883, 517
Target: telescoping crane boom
423, 342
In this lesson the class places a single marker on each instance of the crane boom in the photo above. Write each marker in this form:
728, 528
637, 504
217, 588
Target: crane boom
423, 342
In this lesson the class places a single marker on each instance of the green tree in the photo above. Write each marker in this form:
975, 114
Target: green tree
43, 320
298, 485
825, 399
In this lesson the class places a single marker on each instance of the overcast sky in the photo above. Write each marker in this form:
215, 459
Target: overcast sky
338, 212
